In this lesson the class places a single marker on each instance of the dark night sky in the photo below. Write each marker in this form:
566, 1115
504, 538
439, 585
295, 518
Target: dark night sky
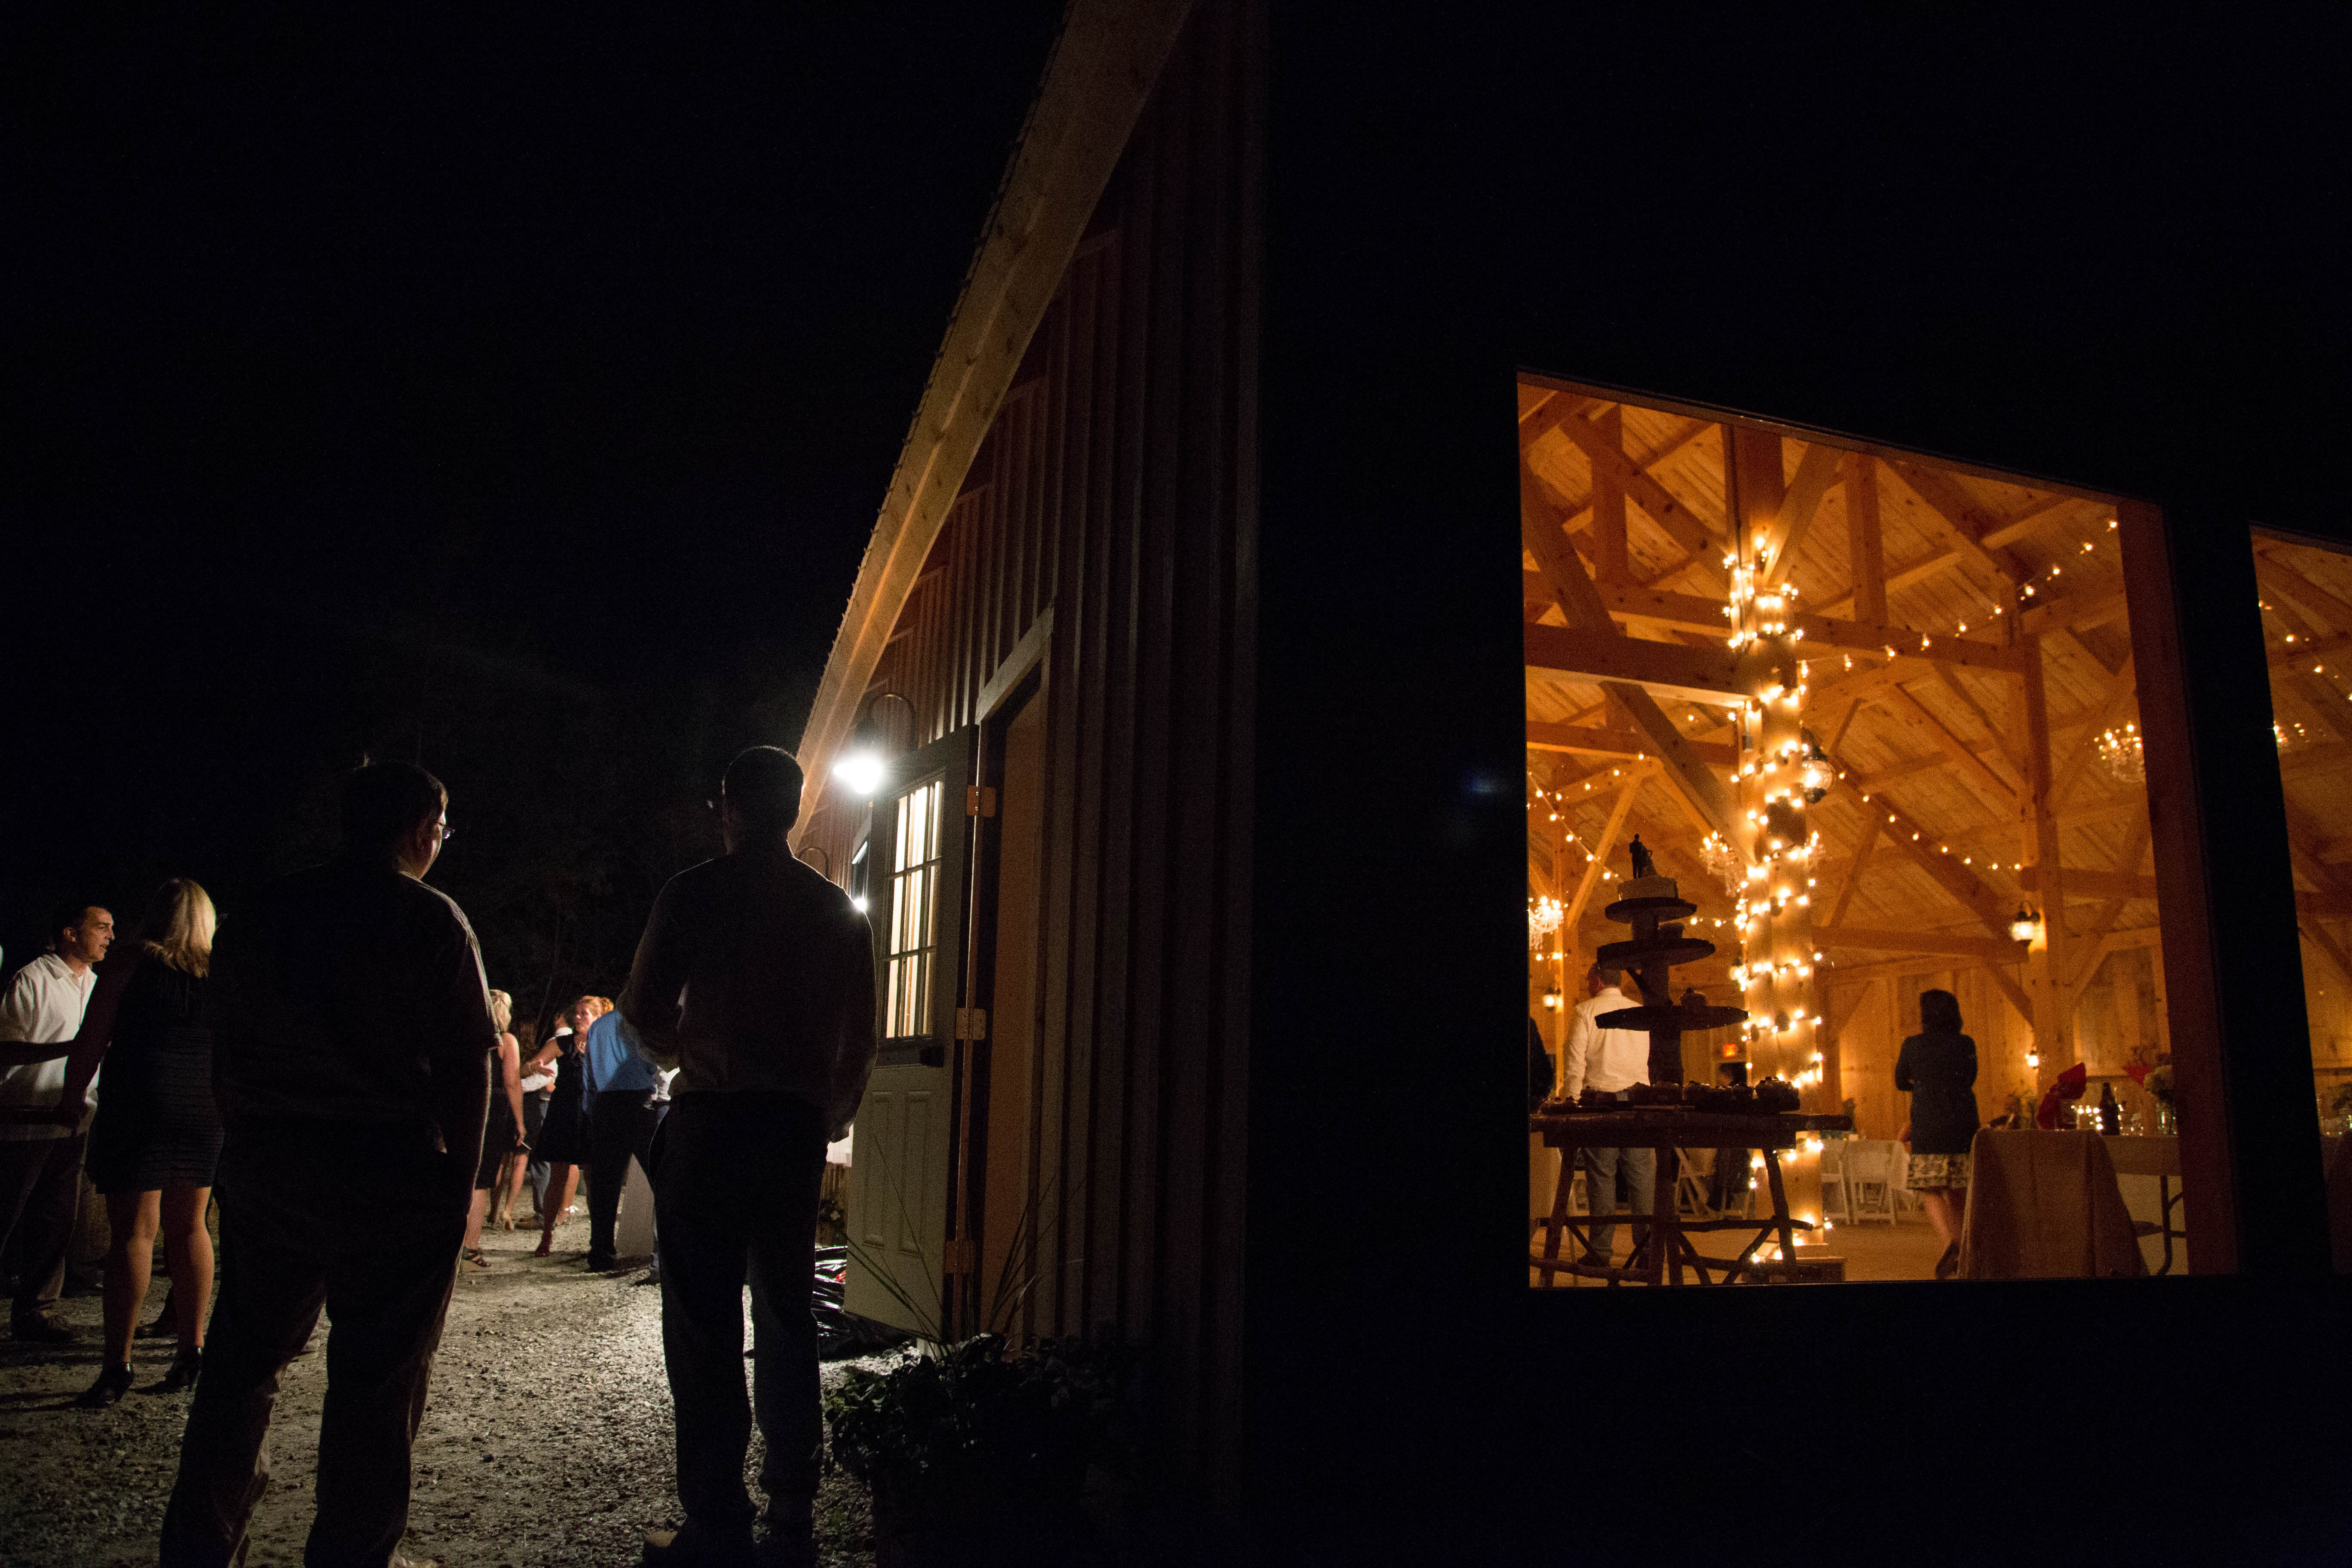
523, 392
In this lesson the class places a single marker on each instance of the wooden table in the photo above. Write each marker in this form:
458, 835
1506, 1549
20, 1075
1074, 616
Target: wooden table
1668, 1250
2137, 1154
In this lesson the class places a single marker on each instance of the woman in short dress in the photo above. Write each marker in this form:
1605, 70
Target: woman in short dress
563, 1135
1937, 1068
503, 1135
157, 1139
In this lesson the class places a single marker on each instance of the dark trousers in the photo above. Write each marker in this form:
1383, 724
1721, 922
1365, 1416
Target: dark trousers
534, 1117
40, 1194
621, 1124
736, 1199
292, 1241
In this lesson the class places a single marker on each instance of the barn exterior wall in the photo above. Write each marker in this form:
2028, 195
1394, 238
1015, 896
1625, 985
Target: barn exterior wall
1113, 502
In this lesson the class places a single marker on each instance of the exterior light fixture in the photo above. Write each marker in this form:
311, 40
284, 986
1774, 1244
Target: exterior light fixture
861, 772
2025, 926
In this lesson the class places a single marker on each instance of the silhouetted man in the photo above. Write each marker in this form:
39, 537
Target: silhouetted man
40, 1160
755, 977
351, 1058
626, 1101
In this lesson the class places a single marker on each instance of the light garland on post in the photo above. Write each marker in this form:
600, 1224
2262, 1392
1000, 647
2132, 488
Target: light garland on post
1781, 772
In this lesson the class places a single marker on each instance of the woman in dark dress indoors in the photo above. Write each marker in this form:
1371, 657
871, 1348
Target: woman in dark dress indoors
563, 1135
1937, 1068
157, 1138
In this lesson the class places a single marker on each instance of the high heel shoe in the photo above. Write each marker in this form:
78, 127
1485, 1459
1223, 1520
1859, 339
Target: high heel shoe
1949, 1263
546, 1246
113, 1384
185, 1367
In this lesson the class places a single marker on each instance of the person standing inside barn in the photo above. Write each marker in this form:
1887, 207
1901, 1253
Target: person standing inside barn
351, 1050
1608, 1062
755, 979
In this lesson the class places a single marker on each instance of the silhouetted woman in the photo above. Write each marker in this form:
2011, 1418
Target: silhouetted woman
157, 1138
503, 1136
1937, 1068
563, 1135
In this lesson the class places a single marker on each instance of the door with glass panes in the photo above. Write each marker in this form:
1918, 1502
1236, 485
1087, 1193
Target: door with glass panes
914, 863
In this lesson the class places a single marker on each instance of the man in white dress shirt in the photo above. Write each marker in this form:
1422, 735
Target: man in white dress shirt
40, 1161
1609, 1062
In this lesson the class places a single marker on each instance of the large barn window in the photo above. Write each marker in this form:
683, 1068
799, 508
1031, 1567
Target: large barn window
1873, 718
2307, 607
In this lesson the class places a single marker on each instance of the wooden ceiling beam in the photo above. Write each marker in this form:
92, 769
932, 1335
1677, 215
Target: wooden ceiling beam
2324, 610
2120, 692
1987, 949
1615, 741
1698, 613
2003, 792
1587, 616
1817, 470
1902, 577
1610, 657
1961, 519
1702, 540
2082, 607
2037, 516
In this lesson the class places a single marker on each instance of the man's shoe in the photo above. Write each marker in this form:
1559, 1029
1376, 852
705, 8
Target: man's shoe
42, 1329
600, 1265
691, 1548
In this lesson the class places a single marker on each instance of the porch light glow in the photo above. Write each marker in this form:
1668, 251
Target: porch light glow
861, 772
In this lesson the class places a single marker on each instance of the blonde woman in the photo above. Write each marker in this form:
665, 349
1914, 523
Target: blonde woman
157, 1139
503, 1136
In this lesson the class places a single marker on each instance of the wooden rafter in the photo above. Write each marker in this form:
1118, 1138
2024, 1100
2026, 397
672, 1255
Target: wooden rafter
1817, 470
2127, 867
2037, 515
2318, 938
1958, 691
1615, 741
1602, 848
1581, 603
1920, 844
2087, 606
1610, 658
1683, 526
1872, 822
2119, 692
2001, 791
1987, 949
1865, 551
1695, 613
1956, 514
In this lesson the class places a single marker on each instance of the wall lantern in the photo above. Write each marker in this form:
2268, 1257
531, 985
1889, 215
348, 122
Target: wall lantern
862, 768
2026, 925
1551, 1001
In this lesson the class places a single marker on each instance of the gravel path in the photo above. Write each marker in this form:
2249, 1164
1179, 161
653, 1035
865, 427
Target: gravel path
547, 1438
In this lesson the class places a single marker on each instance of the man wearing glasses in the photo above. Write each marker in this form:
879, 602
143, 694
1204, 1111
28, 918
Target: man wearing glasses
351, 1060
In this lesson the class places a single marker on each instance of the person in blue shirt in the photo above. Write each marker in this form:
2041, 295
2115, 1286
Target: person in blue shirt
625, 1098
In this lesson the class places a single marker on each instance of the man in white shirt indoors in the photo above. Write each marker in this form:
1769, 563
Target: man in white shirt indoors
1609, 1062
40, 1161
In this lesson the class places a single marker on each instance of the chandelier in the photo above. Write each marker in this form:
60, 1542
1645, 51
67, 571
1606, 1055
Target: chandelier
1543, 919
1724, 865
2290, 737
2120, 751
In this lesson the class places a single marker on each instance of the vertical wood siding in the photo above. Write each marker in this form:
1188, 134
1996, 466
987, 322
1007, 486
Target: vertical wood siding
1118, 486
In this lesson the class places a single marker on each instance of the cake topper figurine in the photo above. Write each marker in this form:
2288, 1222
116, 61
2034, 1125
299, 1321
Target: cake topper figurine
1643, 866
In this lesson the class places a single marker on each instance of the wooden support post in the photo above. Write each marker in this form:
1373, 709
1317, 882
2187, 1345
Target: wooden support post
1862, 547
2048, 961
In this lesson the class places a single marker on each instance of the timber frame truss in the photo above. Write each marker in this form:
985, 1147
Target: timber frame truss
1966, 649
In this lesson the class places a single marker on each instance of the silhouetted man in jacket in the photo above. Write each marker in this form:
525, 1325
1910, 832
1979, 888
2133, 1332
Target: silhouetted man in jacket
351, 1060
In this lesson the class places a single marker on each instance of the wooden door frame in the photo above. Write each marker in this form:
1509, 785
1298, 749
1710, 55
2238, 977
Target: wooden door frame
1019, 681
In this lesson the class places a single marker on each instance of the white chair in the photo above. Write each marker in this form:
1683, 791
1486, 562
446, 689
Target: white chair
1837, 1203
1869, 1170
1690, 1187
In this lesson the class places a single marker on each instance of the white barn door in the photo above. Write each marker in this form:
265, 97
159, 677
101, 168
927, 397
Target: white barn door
899, 1183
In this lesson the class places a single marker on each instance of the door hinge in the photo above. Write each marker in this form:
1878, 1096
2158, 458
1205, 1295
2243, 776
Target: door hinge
955, 1255
971, 1023
979, 800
